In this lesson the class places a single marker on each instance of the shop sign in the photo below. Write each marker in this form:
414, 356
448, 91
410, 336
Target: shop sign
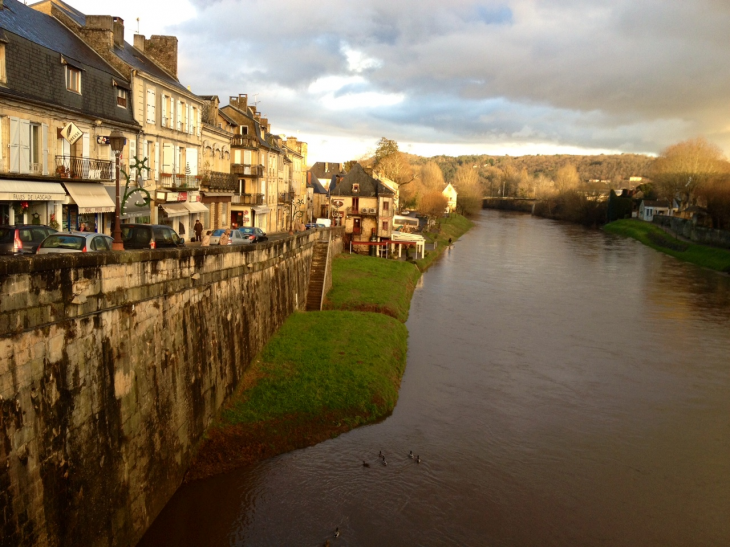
71, 133
161, 196
181, 196
194, 196
337, 203
12, 196
171, 196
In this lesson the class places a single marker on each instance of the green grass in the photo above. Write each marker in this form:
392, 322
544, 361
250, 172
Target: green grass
452, 227
654, 237
342, 362
372, 284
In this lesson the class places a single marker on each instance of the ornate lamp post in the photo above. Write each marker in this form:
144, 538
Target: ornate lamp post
117, 142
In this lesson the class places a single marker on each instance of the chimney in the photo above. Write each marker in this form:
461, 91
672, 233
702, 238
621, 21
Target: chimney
118, 30
163, 50
139, 42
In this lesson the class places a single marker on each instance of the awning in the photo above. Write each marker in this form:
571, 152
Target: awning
29, 190
175, 209
132, 207
91, 197
196, 207
262, 210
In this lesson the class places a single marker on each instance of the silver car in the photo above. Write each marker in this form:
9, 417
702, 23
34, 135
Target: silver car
234, 238
75, 242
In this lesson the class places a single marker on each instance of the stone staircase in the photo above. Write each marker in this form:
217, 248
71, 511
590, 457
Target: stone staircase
317, 276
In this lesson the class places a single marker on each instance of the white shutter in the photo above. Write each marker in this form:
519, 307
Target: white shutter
85, 146
24, 146
164, 110
132, 155
247, 157
237, 157
190, 119
151, 106
157, 161
144, 154
176, 159
14, 145
178, 112
168, 158
44, 147
199, 121
191, 158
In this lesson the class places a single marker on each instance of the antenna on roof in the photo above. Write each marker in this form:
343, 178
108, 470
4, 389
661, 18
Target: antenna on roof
255, 100
137, 25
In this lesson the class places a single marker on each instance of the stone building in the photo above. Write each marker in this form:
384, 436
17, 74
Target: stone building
317, 199
169, 114
218, 183
364, 205
326, 171
297, 152
58, 102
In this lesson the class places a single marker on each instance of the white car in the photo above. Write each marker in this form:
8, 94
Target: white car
75, 242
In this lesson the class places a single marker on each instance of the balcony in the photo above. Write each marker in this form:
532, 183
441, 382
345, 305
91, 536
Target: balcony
244, 141
72, 167
223, 182
248, 199
286, 197
243, 170
362, 211
179, 182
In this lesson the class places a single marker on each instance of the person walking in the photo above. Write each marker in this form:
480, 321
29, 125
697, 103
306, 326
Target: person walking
225, 237
206, 239
198, 229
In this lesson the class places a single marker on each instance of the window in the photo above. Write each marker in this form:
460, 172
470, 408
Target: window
151, 106
243, 129
73, 79
121, 97
386, 206
385, 225
3, 77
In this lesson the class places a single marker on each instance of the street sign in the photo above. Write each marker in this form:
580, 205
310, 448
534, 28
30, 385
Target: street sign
71, 133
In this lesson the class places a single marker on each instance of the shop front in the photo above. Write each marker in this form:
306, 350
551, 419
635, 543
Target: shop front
261, 217
180, 210
135, 209
31, 202
241, 215
218, 205
85, 208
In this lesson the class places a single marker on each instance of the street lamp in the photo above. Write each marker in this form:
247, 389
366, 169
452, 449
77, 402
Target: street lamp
117, 142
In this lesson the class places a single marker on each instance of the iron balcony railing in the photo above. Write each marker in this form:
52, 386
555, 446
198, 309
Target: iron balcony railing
362, 211
183, 182
72, 167
247, 170
216, 180
248, 199
286, 197
244, 141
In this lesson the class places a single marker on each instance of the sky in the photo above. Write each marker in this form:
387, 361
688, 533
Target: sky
460, 76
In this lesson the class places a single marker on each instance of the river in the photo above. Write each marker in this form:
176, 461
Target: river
564, 387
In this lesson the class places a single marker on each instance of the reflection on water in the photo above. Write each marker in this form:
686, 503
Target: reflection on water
564, 387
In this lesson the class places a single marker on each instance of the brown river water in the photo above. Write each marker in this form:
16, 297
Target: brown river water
564, 387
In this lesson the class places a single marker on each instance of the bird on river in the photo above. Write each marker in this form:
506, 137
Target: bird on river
365, 464
410, 454
418, 459
337, 532
384, 462
380, 455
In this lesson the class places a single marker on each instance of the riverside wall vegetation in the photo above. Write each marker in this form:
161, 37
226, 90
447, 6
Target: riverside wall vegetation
113, 365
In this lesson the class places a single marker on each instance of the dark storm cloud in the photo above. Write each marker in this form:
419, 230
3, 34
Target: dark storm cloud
628, 74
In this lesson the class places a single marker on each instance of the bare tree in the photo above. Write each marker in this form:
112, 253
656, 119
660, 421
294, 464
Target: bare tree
432, 177
392, 163
567, 178
469, 191
433, 204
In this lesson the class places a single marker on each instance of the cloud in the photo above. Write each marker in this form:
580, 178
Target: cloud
629, 75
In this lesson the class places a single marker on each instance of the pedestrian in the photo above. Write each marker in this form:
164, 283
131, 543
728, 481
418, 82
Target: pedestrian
198, 228
225, 237
206, 239
82, 227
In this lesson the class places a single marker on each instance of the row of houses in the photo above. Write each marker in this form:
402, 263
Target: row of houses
68, 80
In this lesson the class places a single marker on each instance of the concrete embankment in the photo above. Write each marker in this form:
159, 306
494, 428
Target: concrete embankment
112, 366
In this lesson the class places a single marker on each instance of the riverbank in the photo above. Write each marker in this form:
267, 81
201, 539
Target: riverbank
324, 373
656, 238
452, 228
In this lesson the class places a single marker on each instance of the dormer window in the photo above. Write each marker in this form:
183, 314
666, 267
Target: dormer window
121, 97
73, 79
355, 188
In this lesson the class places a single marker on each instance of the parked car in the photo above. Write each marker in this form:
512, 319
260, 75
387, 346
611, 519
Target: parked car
253, 235
234, 238
23, 238
75, 242
313, 225
150, 236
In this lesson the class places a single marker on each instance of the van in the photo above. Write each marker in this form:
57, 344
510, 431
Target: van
326, 222
150, 236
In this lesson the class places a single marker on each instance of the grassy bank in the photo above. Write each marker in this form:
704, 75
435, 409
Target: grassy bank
452, 227
372, 284
654, 237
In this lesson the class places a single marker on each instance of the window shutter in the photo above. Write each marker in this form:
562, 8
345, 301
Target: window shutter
176, 159
178, 113
24, 146
167, 158
164, 110
132, 155
144, 153
85, 146
44, 147
14, 145
151, 106
157, 161
199, 121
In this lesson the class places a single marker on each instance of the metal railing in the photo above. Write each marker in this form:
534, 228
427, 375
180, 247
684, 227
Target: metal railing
173, 180
72, 167
244, 141
247, 170
248, 199
216, 180
362, 211
286, 197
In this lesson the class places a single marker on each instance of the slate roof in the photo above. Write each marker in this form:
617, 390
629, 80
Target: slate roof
128, 53
46, 31
257, 125
326, 170
655, 203
369, 186
315, 185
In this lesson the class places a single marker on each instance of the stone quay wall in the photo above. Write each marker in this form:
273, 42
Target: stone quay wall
689, 230
112, 365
